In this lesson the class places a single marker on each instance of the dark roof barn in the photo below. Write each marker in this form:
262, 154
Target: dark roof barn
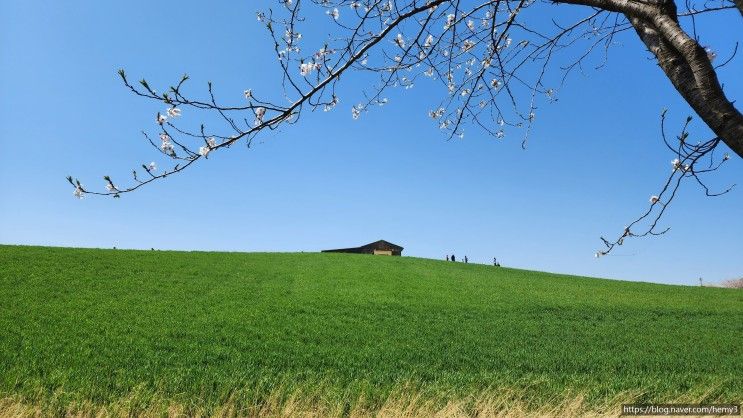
380, 247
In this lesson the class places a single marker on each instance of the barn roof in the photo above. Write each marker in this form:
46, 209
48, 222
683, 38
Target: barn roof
382, 243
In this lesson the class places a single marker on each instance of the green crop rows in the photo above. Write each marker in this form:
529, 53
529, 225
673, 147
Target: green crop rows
198, 327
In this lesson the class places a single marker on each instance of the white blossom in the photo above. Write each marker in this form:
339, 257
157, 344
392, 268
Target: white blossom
400, 40
428, 42
306, 68
248, 93
726, 157
467, 45
111, 188
711, 54
333, 102
203, 151
495, 83
335, 14
161, 118
676, 164
471, 25
152, 166
355, 5
174, 112
436, 114
211, 142
500, 134
78, 193
322, 52
654, 199
356, 112
450, 20
166, 145
260, 112
290, 36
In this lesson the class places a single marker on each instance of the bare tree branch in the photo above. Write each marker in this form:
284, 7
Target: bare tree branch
686, 165
494, 67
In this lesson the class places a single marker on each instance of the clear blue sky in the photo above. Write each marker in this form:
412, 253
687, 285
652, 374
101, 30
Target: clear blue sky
594, 159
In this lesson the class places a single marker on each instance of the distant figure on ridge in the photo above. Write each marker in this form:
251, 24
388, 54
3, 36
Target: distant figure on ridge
466, 260
453, 258
447, 257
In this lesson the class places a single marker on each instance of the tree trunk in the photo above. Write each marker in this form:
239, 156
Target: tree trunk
690, 71
684, 62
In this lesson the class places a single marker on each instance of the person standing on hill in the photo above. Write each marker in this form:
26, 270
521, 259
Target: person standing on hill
447, 257
466, 260
453, 258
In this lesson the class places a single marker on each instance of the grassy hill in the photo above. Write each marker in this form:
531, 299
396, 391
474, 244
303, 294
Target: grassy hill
203, 329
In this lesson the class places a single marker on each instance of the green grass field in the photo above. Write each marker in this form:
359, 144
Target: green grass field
199, 328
